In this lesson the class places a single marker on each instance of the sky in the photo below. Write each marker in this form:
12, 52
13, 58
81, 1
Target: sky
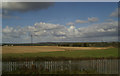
59, 21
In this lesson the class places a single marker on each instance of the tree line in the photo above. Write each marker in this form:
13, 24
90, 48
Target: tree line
68, 44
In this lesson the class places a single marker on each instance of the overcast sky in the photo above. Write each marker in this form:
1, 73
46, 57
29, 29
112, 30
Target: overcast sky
60, 21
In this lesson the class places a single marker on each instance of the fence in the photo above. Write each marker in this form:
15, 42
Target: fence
102, 66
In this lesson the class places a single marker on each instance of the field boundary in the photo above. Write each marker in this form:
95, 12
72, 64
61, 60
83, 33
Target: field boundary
54, 58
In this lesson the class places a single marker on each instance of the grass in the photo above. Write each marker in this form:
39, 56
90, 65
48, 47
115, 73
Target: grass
111, 52
33, 73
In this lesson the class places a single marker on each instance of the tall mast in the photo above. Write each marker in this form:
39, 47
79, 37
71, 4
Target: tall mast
31, 39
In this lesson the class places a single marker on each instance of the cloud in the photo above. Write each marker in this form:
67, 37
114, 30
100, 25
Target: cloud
9, 7
105, 29
109, 20
92, 19
44, 31
70, 24
25, 6
7, 29
81, 21
10, 32
55, 32
9, 17
114, 13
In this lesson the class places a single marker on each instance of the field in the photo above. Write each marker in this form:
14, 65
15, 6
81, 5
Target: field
35, 49
59, 60
55, 51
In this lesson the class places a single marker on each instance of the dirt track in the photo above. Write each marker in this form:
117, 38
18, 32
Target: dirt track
34, 49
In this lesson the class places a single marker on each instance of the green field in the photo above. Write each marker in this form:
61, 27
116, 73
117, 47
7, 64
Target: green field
111, 52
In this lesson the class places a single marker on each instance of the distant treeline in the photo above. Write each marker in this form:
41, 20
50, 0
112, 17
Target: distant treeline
68, 44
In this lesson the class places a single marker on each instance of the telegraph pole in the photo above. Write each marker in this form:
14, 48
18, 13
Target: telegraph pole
32, 35
31, 39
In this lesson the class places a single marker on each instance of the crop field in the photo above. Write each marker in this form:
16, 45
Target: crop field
35, 49
55, 51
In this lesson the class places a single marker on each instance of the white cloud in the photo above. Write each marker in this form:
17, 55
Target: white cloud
10, 32
9, 17
56, 32
100, 30
92, 19
81, 21
72, 31
8, 29
114, 13
109, 20
70, 24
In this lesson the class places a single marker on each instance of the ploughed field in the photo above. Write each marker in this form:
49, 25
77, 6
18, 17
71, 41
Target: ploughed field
57, 51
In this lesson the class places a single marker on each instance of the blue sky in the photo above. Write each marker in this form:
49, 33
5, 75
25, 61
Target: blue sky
64, 12
61, 13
